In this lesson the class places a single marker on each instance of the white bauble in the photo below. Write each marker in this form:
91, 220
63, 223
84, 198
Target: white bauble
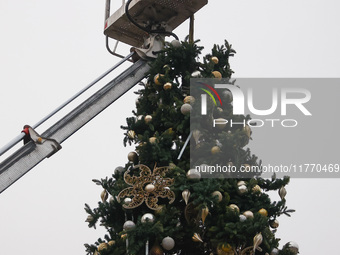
176, 43
150, 187
242, 218
168, 243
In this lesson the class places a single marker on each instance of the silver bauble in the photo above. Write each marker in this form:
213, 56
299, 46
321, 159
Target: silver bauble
274, 223
186, 109
242, 218
227, 96
196, 74
274, 252
148, 217
129, 225
127, 200
119, 169
293, 247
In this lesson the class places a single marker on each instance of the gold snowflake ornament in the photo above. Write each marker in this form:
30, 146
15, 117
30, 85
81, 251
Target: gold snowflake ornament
148, 187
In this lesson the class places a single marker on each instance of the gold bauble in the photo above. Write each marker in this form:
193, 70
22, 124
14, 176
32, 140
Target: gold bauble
186, 195
112, 242
147, 119
160, 209
166, 68
205, 212
189, 100
156, 79
217, 74
193, 174
220, 123
256, 189
248, 214
282, 192
242, 189
246, 167
215, 60
240, 183
234, 207
156, 250
196, 134
104, 195
221, 252
215, 150
197, 238
89, 218
247, 130
132, 156
263, 212
218, 195
153, 139
257, 240
102, 246
131, 134
172, 166
226, 247
167, 86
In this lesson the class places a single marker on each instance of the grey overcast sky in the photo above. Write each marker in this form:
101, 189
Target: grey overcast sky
49, 50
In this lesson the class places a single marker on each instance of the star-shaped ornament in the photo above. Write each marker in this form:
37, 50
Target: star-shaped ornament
148, 187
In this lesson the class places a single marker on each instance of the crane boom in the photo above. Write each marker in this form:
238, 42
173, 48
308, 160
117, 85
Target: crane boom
32, 153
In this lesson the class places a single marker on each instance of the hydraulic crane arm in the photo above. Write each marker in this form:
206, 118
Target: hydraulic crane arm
32, 153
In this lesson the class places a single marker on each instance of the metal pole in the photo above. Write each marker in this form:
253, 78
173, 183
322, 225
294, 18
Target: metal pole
19, 138
11, 143
82, 91
191, 29
107, 9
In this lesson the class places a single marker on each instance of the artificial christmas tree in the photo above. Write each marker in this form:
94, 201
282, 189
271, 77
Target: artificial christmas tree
157, 203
